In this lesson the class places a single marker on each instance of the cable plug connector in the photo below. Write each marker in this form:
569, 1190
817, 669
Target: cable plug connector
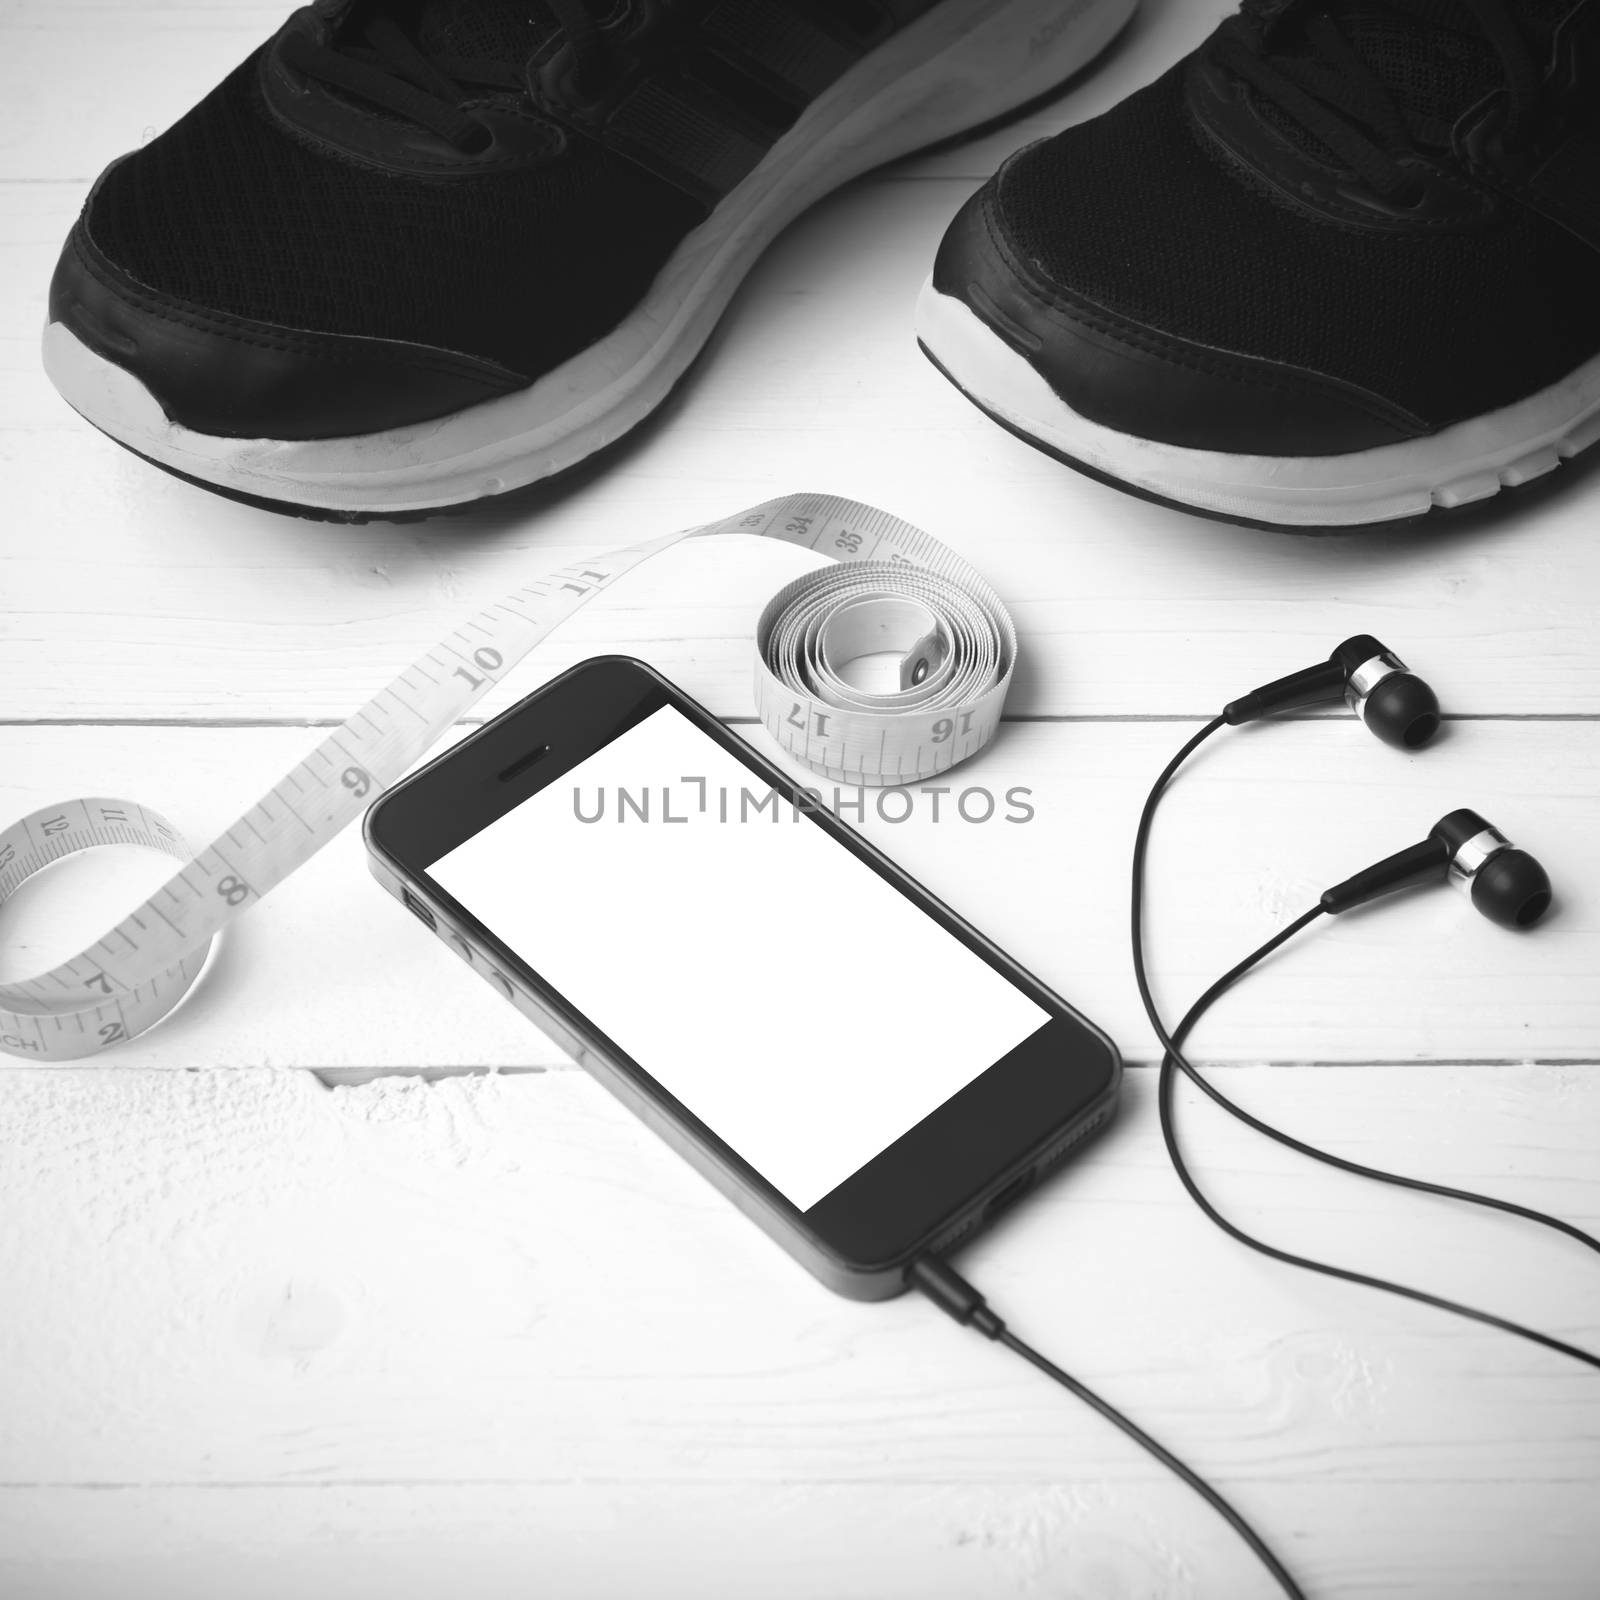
954, 1296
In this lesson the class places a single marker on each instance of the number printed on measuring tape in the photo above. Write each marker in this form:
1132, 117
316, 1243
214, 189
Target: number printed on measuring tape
894, 590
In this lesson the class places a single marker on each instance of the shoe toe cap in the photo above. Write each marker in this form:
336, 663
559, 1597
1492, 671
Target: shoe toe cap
236, 377
1141, 379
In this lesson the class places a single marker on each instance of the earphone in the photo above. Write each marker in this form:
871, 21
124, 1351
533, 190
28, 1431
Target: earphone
1376, 684
1504, 883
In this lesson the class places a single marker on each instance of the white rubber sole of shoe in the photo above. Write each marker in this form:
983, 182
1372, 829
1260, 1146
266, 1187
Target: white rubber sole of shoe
1466, 462
966, 63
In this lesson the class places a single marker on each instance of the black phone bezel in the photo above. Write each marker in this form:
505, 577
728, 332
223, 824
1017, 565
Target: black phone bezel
922, 1186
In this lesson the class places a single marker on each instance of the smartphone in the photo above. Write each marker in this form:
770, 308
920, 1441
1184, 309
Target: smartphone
855, 1067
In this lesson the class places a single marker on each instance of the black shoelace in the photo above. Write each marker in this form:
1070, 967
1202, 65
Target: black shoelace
1339, 98
376, 60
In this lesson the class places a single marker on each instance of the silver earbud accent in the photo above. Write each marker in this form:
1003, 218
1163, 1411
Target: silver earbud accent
1367, 677
1469, 860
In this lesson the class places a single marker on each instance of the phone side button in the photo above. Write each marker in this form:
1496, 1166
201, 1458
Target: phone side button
419, 908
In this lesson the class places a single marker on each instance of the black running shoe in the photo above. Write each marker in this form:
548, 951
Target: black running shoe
417, 252
1340, 266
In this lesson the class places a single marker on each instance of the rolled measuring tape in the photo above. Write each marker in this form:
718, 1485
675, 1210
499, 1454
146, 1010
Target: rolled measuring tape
895, 590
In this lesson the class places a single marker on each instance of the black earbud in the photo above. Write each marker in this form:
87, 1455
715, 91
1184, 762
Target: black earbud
1376, 684
1506, 884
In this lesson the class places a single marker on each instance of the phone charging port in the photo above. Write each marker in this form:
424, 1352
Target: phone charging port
418, 909
1009, 1195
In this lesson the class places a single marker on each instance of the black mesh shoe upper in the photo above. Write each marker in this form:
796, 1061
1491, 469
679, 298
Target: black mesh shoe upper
1201, 220
487, 187
231, 211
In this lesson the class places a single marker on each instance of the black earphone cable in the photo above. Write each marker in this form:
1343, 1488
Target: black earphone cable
958, 1299
1174, 1057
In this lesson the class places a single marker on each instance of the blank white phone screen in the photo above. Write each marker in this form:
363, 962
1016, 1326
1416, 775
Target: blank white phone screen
799, 1005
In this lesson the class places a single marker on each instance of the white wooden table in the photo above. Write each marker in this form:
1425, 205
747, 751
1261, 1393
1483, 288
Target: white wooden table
483, 1336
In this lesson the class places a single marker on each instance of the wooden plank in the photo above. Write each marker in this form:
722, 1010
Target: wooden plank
34, 219
198, 608
505, 1288
137, 69
846, 1541
329, 972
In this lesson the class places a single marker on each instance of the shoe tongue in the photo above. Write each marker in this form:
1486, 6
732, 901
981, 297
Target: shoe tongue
483, 30
1432, 58
1432, 74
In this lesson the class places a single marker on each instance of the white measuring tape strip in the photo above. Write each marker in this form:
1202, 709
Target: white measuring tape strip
896, 590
